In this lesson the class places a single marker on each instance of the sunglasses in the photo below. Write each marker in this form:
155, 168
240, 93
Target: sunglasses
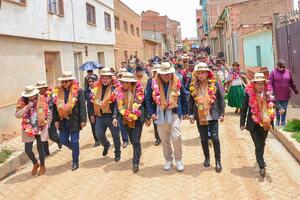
281, 66
64, 82
91, 81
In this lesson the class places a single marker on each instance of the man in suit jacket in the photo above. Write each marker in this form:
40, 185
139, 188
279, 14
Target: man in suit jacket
258, 124
207, 106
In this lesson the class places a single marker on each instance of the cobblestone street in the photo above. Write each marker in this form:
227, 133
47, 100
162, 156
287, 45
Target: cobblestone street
102, 178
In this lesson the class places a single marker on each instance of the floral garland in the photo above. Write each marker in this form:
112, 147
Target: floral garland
235, 73
134, 113
75, 89
256, 114
212, 89
95, 89
156, 92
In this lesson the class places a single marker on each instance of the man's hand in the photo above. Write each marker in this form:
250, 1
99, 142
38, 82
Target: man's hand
222, 118
115, 122
243, 128
154, 117
56, 124
82, 124
192, 119
93, 119
281, 111
30, 104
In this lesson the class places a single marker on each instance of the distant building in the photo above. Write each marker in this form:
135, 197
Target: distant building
170, 29
40, 39
128, 33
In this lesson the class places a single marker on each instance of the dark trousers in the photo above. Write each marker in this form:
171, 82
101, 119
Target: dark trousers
156, 135
135, 139
93, 126
40, 148
259, 136
213, 127
281, 119
102, 123
122, 129
71, 140
53, 135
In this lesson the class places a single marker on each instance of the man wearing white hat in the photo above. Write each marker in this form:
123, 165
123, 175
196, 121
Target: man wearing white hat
105, 112
53, 134
207, 106
149, 97
69, 114
167, 107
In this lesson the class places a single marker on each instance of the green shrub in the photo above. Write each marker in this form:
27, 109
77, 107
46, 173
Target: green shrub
4, 154
296, 136
293, 126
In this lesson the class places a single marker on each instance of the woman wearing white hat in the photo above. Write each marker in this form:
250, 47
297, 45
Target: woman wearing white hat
259, 109
130, 97
34, 111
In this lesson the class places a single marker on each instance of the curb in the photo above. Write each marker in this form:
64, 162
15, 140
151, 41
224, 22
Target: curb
18, 159
290, 144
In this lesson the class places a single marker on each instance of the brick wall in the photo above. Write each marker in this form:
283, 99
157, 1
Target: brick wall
127, 41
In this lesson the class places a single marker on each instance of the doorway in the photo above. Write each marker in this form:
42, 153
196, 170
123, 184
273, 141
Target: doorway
53, 67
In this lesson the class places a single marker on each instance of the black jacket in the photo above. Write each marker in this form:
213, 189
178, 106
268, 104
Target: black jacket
218, 108
246, 113
78, 115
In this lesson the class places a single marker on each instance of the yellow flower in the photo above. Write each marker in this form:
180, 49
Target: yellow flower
122, 111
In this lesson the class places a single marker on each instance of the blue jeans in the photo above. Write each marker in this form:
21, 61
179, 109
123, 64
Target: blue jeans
122, 129
102, 123
281, 119
65, 136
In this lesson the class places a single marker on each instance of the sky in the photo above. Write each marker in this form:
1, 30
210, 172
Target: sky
183, 11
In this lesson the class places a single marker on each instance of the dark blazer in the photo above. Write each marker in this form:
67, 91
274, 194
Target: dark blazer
78, 115
151, 105
113, 107
246, 113
217, 110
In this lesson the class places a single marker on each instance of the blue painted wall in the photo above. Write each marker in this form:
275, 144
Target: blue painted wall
264, 40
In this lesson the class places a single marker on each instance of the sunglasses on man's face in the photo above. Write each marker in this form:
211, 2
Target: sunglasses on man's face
91, 81
65, 82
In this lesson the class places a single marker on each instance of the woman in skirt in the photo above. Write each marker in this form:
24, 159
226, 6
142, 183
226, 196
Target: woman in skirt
235, 83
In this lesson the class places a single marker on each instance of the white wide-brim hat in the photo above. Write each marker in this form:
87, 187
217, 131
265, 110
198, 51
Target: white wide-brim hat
128, 77
106, 72
30, 91
156, 67
166, 68
202, 67
66, 76
41, 84
259, 77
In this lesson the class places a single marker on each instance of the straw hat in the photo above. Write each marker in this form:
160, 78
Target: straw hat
202, 67
41, 84
156, 67
259, 77
106, 72
66, 76
185, 56
128, 77
166, 68
30, 91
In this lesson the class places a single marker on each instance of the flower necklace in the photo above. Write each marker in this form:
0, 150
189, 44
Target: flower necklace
95, 89
74, 90
134, 113
256, 113
195, 89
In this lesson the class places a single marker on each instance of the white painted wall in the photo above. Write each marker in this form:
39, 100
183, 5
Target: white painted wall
34, 21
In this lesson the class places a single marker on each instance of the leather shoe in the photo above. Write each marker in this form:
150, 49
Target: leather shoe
157, 142
105, 151
218, 167
75, 166
42, 170
117, 158
35, 169
262, 172
135, 168
96, 144
59, 145
207, 162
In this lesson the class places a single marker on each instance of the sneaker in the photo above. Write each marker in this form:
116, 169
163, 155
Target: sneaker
168, 165
179, 166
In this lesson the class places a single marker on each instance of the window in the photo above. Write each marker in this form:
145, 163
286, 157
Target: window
56, 7
117, 23
132, 29
125, 26
137, 32
90, 14
21, 2
107, 21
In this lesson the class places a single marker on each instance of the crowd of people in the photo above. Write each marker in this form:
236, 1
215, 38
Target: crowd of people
162, 92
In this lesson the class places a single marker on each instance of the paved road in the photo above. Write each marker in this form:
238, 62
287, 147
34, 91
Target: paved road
102, 178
